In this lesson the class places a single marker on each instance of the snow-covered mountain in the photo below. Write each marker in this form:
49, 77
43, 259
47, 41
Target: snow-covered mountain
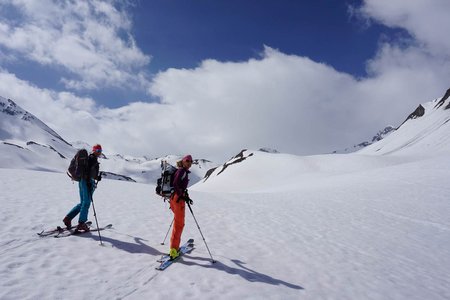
148, 170
424, 120
424, 133
377, 137
28, 143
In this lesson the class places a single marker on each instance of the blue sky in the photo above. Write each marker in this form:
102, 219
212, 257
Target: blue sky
183, 33
304, 77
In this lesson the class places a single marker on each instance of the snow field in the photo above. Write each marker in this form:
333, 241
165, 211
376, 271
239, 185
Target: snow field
375, 232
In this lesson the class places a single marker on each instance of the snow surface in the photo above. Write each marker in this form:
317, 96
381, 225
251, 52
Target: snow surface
349, 227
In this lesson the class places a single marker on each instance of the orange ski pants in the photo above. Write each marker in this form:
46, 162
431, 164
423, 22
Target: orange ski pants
178, 209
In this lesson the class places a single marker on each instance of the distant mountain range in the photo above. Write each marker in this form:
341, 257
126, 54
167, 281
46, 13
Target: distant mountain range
377, 137
28, 143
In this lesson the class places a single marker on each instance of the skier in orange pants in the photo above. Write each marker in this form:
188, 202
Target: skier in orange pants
178, 204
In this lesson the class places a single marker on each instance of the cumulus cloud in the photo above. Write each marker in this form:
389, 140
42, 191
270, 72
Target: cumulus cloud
91, 40
427, 21
282, 101
295, 104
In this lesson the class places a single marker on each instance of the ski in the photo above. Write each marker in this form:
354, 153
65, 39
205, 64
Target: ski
76, 232
165, 259
58, 230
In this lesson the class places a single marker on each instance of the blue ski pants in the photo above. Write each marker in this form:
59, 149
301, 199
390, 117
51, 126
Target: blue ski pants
82, 208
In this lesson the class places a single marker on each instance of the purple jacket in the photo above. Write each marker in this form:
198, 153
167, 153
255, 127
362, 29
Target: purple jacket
181, 181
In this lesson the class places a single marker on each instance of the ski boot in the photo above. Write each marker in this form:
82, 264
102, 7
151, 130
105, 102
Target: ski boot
173, 253
82, 227
68, 222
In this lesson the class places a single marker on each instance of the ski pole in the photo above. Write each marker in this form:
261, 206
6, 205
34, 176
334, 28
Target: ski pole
198, 226
95, 215
167, 232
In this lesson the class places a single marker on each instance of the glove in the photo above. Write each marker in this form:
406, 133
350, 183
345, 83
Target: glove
189, 201
99, 177
186, 198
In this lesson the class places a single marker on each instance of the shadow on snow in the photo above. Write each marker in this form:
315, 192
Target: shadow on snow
246, 273
241, 270
137, 247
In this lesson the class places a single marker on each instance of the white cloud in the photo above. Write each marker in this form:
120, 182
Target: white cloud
89, 39
295, 104
426, 20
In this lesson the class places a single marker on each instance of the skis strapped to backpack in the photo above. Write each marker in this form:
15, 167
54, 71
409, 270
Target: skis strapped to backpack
164, 184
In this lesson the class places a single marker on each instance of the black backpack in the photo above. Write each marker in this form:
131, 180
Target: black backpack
164, 184
78, 165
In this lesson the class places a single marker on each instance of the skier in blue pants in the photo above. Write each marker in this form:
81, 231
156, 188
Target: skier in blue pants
86, 186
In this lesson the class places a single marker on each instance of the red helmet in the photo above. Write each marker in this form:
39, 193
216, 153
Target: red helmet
97, 148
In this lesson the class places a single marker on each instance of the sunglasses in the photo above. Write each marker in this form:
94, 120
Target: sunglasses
188, 161
98, 151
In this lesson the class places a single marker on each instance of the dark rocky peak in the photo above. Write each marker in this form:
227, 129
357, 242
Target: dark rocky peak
419, 112
240, 157
10, 107
442, 101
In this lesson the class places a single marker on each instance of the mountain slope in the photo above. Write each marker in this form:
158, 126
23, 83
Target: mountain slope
28, 143
258, 171
425, 132
377, 137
